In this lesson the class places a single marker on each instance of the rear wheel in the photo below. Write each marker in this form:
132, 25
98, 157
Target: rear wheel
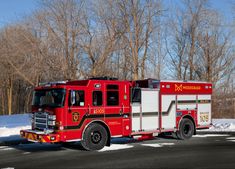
95, 137
186, 129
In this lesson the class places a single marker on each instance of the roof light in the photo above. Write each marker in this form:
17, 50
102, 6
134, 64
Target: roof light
97, 85
48, 84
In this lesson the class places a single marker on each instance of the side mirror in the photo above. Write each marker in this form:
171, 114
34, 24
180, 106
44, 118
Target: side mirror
72, 97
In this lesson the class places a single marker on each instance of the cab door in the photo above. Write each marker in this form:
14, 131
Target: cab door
114, 108
77, 108
97, 109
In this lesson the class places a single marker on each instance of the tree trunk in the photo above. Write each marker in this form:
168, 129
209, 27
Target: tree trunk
9, 96
233, 107
28, 102
135, 66
3, 102
191, 56
142, 69
136, 71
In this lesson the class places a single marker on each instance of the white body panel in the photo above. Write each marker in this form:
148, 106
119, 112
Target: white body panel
204, 110
169, 113
145, 115
150, 109
182, 102
149, 99
136, 109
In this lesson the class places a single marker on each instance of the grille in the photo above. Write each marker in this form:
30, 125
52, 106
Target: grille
40, 120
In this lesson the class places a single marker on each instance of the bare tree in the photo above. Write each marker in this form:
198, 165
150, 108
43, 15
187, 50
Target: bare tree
16, 59
60, 24
138, 20
187, 24
102, 33
201, 47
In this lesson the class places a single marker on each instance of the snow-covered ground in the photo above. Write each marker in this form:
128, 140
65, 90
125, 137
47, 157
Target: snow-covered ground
11, 125
222, 125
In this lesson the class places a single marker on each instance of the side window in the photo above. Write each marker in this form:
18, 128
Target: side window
136, 95
77, 98
112, 95
97, 98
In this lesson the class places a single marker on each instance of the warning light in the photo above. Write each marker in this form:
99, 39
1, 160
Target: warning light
52, 138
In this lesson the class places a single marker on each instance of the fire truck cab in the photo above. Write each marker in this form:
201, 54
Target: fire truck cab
95, 110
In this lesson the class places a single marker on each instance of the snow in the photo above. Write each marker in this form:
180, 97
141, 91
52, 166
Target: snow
230, 138
222, 125
6, 132
10, 126
211, 135
115, 147
158, 144
3, 148
126, 146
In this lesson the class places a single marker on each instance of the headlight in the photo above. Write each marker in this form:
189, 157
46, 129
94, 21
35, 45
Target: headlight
51, 117
51, 123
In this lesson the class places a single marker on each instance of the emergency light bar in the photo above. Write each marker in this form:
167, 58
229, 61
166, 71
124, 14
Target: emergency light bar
52, 83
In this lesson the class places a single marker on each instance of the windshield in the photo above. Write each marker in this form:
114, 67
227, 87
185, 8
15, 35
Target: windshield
50, 98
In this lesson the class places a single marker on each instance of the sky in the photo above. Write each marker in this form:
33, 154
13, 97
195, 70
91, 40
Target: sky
13, 10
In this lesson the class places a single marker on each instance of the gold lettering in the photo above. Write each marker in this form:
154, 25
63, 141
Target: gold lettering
178, 88
181, 87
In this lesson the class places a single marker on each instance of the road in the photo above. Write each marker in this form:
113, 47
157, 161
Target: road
201, 151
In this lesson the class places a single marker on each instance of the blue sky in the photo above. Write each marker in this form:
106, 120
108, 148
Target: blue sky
13, 10
225, 7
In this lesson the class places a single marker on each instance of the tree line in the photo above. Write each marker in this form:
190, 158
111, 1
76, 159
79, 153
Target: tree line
134, 39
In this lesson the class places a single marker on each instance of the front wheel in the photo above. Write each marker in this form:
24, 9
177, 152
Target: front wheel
95, 137
186, 129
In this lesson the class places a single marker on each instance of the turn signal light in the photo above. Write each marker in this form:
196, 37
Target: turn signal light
52, 138
22, 133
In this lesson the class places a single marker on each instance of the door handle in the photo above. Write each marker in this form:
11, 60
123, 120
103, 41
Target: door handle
120, 111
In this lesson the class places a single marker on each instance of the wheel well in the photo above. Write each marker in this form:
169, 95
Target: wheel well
107, 129
190, 118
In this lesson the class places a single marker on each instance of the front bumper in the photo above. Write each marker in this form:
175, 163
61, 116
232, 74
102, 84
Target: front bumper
39, 136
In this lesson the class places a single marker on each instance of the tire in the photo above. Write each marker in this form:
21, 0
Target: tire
186, 129
95, 137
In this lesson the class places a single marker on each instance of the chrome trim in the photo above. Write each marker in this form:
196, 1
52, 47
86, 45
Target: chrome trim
34, 131
74, 140
40, 121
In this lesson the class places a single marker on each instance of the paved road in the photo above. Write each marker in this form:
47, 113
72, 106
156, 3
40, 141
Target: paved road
202, 151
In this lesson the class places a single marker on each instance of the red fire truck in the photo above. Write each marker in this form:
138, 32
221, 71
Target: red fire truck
95, 110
